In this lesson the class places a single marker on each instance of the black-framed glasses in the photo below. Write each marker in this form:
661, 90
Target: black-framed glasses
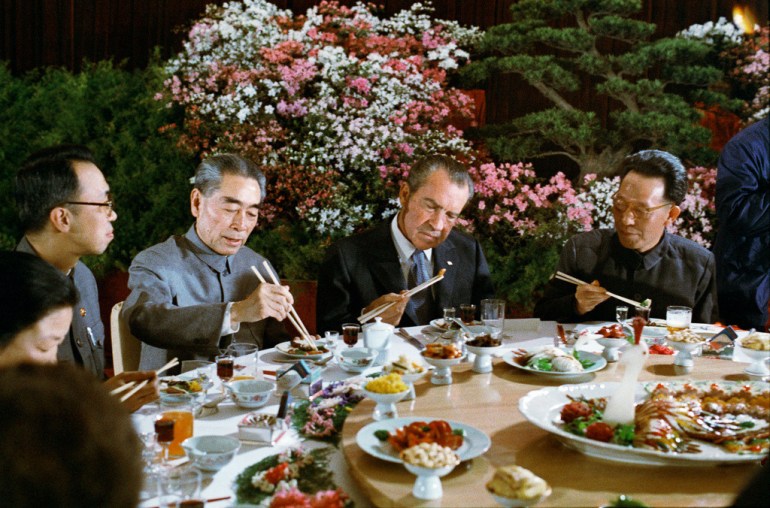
622, 206
110, 204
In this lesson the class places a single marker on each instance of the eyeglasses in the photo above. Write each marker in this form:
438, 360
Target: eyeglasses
621, 206
109, 203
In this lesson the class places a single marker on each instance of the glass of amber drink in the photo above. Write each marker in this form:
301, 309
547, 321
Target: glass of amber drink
180, 409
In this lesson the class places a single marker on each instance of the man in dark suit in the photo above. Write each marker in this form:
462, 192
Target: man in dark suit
376, 267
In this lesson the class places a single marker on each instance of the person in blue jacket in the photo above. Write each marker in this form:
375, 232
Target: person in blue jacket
742, 246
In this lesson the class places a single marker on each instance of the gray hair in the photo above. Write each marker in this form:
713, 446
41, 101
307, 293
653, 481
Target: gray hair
209, 173
425, 166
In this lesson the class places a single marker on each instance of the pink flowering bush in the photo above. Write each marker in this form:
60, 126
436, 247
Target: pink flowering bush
334, 105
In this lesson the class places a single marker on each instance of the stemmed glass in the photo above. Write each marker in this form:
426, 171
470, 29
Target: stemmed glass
143, 420
350, 333
164, 435
225, 368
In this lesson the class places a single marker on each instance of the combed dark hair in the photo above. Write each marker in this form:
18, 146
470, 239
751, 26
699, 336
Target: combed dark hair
658, 163
31, 288
425, 166
47, 179
65, 442
208, 175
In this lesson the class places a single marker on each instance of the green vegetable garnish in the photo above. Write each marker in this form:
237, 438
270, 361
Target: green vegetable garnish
747, 425
584, 362
458, 432
624, 434
627, 501
542, 364
381, 434
646, 303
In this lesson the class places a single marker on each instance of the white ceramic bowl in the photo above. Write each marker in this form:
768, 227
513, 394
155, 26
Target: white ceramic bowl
251, 393
428, 483
211, 453
758, 365
385, 398
437, 362
356, 359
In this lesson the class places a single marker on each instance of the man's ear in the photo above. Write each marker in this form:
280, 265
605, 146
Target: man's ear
60, 218
673, 215
403, 194
195, 202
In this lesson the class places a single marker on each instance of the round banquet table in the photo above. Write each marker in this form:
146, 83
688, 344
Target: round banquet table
490, 403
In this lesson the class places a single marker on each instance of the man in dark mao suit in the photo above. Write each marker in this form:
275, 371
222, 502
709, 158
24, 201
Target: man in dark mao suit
367, 270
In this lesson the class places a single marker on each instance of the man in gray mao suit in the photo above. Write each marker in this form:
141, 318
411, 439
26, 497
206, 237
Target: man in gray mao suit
193, 294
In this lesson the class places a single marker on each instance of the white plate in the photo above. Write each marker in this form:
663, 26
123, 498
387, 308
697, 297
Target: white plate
599, 364
284, 348
543, 408
474, 444
440, 325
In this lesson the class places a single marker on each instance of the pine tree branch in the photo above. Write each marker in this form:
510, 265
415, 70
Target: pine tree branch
553, 96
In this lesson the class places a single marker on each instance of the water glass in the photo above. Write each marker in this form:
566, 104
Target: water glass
678, 318
621, 314
245, 358
179, 408
180, 486
332, 340
493, 315
449, 314
644, 313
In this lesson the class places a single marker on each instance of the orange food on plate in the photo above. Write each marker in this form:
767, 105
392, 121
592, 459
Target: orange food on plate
437, 431
612, 331
442, 351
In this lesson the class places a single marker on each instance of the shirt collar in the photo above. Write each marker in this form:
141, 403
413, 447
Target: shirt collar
403, 245
634, 260
217, 262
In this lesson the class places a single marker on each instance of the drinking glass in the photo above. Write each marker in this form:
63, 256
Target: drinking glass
164, 435
144, 420
468, 313
178, 408
180, 487
244, 357
644, 313
350, 333
621, 314
678, 318
332, 339
449, 314
493, 315
225, 367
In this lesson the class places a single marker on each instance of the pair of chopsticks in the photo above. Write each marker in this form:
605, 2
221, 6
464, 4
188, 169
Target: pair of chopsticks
136, 387
293, 316
363, 318
573, 280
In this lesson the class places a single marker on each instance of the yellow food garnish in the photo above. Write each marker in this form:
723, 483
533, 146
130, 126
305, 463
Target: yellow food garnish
391, 383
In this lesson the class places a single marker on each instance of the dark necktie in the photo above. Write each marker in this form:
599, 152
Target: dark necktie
418, 273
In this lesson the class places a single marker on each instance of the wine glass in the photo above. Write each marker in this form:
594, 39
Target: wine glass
164, 435
225, 368
350, 333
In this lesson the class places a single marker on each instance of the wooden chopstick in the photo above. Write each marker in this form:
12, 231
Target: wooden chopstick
293, 316
173, 363
385, 306
574, 280
122, 388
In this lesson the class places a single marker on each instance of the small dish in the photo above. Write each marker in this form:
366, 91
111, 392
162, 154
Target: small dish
442, 375
514, 503
356, 360
211, 453
483, 361
250, 393
428, 482
386, 403
683, 358
758, 366
612, 347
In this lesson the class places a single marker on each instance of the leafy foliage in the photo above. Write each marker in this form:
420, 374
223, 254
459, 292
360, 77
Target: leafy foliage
603, 46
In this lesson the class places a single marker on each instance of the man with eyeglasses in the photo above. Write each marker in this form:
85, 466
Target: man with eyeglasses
66, 212
367, 270
195, 293
638, 259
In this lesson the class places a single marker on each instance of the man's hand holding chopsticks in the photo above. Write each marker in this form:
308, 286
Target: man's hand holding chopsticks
268, 300
391, 315
148, 393
589, 296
